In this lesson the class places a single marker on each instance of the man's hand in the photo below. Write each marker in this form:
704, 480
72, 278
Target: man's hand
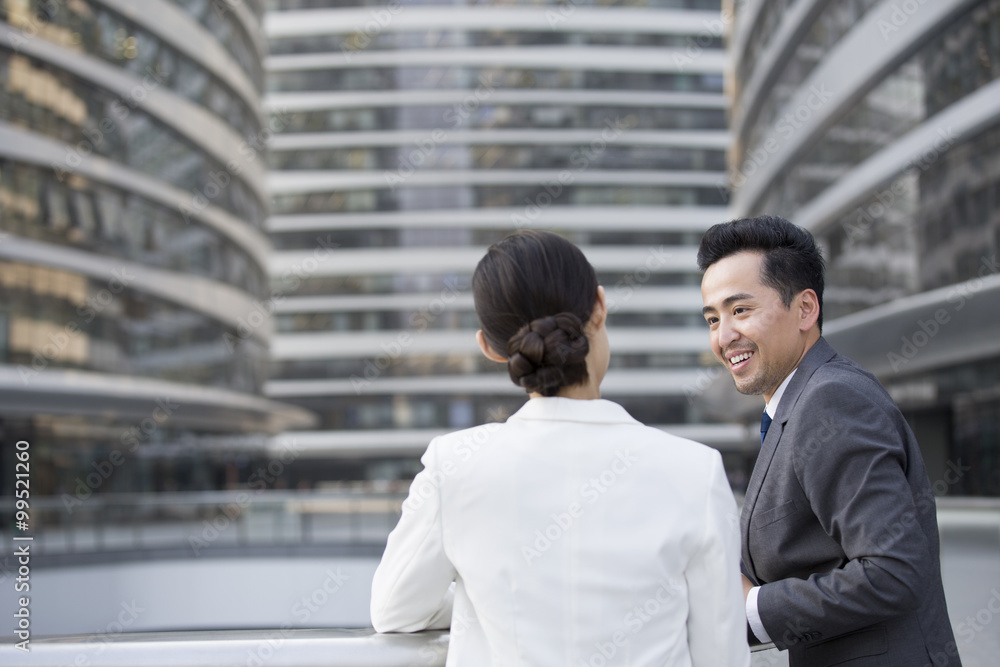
747, 585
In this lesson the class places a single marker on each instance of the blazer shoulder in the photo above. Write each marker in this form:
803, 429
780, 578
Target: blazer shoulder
477, 435
843, 404
845, 378
675, 446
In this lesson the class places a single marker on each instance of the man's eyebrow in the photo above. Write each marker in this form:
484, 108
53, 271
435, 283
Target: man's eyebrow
727, 301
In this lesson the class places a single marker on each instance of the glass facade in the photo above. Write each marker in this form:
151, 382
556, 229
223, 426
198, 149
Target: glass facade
444, 40
77, 212
932, 219
705, 5
89, 27
240, 39
493, 156
957, 222
41, 98
396, 142
111, 328
133, 255
498, 115
489, 196
828, 23
459, 78
943, 71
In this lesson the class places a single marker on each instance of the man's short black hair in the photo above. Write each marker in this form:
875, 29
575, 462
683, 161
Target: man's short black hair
792, 262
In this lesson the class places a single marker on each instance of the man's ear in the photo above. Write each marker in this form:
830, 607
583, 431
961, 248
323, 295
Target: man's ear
808, 309
488, 351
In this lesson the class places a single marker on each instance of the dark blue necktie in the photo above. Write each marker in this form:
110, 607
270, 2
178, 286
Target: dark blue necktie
765, 423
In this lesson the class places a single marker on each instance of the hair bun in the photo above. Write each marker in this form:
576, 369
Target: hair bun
548, 353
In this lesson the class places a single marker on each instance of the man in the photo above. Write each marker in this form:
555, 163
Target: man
841, 558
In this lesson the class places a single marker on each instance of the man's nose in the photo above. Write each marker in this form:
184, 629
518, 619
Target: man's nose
727, 334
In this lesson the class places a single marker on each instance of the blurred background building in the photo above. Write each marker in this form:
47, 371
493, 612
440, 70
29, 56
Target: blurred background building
236, 243
413, 137
133, 254
133, 268
876, 125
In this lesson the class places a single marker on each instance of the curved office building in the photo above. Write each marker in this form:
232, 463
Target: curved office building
412, 136
132, 255
876, 125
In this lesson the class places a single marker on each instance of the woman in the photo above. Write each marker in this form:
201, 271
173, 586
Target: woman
574, 535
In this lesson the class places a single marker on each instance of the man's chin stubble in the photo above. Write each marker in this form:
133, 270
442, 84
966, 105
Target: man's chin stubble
754, 387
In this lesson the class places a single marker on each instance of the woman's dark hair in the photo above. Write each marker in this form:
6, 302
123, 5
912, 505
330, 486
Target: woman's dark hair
792, 262
534, 293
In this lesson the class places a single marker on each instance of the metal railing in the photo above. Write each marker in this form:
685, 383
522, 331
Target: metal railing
210, 648
110, 526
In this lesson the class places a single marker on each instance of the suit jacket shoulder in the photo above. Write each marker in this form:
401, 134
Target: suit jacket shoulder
835, 398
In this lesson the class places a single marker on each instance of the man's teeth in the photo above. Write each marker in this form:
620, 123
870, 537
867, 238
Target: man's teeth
740, 357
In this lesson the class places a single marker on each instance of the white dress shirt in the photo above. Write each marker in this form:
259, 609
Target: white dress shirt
753, 616
573, 535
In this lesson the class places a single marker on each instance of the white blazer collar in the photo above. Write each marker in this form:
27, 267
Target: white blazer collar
557, 408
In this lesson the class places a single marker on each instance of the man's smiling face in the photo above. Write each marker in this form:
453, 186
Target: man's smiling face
751, 331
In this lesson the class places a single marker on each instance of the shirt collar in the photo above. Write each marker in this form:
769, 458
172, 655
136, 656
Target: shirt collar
557, 408
772, 406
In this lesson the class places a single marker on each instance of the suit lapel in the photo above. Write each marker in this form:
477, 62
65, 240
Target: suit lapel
817, 355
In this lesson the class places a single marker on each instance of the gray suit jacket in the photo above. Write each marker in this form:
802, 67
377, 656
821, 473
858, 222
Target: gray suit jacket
839, 527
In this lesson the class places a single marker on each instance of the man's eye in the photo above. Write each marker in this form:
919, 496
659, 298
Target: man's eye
737, 311
711, 320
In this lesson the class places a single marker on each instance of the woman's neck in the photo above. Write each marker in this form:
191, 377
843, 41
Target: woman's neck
585, 391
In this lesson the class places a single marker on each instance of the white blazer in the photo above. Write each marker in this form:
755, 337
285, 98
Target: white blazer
574, 536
